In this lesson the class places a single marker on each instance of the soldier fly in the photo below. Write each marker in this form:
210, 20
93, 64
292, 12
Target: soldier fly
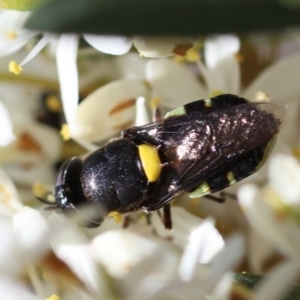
199, 148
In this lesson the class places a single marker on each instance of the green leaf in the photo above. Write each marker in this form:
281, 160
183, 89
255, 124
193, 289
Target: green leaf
163, 17
250, 281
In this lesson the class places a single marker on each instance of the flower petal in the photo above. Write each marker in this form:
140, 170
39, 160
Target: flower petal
173, 82
160, 46
279, 81
226, 259
130, 65
284, 178
13, 290
11, 258
9, 197
279, 231
6, 133
108, 110
224, 77
115, 45
219, 47
66, 56
204, 243
12, 34
71, 246
26, 222
134, 249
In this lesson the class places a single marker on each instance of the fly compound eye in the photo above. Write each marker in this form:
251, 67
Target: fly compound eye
67, 189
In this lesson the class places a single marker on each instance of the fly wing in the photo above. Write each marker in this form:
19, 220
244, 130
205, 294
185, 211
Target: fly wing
198, 147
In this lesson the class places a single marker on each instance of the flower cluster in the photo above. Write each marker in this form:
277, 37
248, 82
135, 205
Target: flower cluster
88, 88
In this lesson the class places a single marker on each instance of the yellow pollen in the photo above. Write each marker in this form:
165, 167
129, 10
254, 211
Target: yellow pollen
53, 297
215, 93
296, 152
150, 162
39, 189
15, 68
154, 102
53, 103
65, 132
116, 216
262, 96
193, 55
11, 34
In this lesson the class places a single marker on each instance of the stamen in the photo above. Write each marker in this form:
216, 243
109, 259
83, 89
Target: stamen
53, 103
14, 68
39, 189
262, 97
38, 48
65, 132
11, 34
116, 216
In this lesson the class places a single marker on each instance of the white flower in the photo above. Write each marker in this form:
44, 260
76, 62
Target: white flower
273, 213
6, 134
12, 34
17, 225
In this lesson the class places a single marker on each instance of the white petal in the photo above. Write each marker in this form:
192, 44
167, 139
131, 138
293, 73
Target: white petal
224, 77
130, 65
259, 251
71, 246
9, 197
11, 257
16, 44
278, 282
35, 143
217, 48
183, 224
11, 23
13, 290
289, 131
204, 243
108, 110
223, 289
159, 46
26, 222
115, 45
142, 116
6, 133
227, 259
284, 174
279, 81
135, 248
66, 57
173, 82
279, 231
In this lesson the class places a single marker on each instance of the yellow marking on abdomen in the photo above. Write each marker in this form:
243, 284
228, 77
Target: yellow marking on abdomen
150, 162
